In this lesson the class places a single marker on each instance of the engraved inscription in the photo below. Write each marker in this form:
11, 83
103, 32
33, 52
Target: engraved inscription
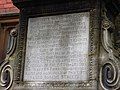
57, 48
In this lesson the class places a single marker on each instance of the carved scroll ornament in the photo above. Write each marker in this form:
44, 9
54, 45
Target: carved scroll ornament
6, 70
6, 75
12, 42
109, 72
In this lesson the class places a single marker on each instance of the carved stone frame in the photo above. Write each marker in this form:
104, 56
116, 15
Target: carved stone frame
94, 30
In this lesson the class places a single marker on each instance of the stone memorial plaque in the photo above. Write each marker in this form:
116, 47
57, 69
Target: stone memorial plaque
57, 48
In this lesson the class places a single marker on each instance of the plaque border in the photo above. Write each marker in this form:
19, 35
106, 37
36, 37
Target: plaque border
94, 30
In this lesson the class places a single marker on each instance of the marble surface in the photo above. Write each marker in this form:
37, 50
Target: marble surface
57, 48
